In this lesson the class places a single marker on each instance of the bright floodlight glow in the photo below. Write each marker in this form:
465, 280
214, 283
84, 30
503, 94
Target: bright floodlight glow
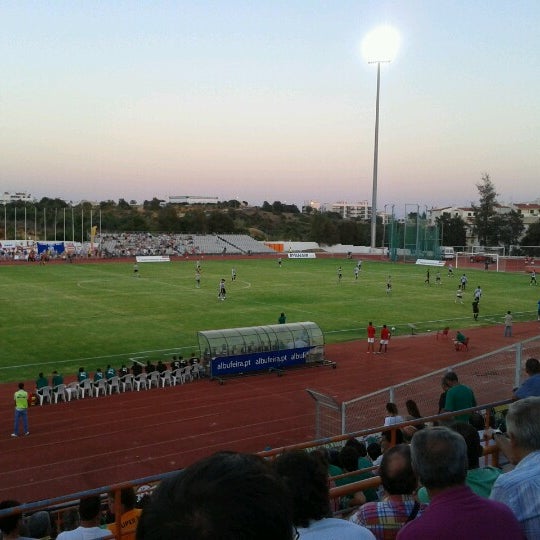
381, 44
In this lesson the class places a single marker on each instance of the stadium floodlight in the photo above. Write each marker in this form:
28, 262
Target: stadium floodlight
379, 46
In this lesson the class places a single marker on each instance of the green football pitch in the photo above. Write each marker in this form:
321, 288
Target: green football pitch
63, 316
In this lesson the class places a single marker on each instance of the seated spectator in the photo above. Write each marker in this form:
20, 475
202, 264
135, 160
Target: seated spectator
520, 488
175, 363
149, 368
39, 525
12, 526
161, 367
110, 372
57, 379
531, 386
363, 463
129, 515
399, 506
374, 451
136, 369
123, 371
41, 382
479, 479
90, 518
70, 519
306, 479
439, 459
227, 496
348, 459
98, 375
82, 375
414, 414
393, 416
459, 340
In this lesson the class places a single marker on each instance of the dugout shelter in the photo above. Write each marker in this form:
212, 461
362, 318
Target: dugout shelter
239, 351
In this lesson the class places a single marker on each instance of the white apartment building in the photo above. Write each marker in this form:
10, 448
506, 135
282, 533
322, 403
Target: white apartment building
18, 196
192, 199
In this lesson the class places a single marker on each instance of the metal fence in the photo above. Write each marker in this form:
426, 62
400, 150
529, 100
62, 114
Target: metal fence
492, 376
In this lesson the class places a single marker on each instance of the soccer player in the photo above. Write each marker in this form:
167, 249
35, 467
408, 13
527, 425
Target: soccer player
426, 281
356, 272
135, 270
459, 295
450, 270
385, 338
533, 278
233, 274
389, 285
222, 294
463, 280
438, 277
339, 274
370, 338
198, 279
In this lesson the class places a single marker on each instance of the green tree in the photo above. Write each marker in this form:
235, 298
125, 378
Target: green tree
452, 230
506, 229
532, 238
485, 211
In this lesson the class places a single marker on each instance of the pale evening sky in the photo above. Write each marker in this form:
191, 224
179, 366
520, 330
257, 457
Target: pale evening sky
268, 100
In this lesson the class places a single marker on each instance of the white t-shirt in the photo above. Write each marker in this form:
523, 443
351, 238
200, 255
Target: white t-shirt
391, 420
84, 533
334, 529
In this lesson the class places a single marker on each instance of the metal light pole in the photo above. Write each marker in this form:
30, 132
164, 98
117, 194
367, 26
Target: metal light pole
379, 46
375, 164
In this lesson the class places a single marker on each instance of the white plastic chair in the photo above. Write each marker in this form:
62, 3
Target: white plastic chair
141, 381
178, 376
166, 378
44, 394
114, 384
188, 373
72, 390
59, 392
100, 387
127, 381
153, 379
85, 387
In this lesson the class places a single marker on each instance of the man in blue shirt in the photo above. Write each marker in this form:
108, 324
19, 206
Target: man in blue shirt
531, 386
520, 487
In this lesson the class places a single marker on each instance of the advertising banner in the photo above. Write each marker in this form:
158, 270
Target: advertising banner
249, 363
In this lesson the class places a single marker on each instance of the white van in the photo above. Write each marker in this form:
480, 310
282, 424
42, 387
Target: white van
447, 253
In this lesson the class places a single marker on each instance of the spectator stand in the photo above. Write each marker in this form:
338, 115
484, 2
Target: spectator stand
272, 348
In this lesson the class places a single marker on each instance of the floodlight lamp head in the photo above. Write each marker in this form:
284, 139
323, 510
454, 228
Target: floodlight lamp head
381, 45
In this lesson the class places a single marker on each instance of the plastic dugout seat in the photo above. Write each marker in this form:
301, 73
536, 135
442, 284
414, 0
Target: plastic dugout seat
86, 387
188, 373
141, 381
166, 378
443, 333
100, 387
60, 393
178, 376
72, 390
114, 384
127, 381
153, 379
44, 394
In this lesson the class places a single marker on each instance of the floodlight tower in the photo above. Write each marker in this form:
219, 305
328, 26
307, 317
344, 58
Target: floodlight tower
378, 47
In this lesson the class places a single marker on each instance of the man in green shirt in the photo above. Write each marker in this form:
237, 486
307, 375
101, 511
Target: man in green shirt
458, 397
21, 410
57, 378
